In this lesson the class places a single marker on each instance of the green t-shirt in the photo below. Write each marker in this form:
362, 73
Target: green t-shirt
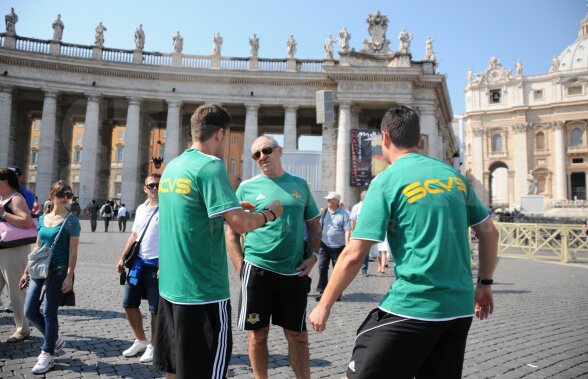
426, 207
279, 245
47, 235
194, 192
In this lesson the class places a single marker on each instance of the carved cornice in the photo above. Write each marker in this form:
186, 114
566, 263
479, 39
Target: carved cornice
195, 75
478, 132
557, 125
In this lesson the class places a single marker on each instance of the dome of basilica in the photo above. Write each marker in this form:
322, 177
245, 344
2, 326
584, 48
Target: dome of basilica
575, 56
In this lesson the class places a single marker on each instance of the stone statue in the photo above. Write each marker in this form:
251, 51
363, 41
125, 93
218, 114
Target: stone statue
329, 47
532, 179
519, 68
404, 37
291, 44
217, 40
470, 76
178, 42
99, 36
140, 38
254, 45
493, 62
11, 20
344, 38
554, 64
57, 28
429, 54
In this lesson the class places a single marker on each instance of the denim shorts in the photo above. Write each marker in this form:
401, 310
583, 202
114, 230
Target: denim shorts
147, 288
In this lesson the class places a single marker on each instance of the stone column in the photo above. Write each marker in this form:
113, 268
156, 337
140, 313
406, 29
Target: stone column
251, 133
290, 135
172, 132
478, 164
90, 155
560, 182
329, 156
342, 180
47, 167
520, 161
131, 182
429, 127
5, 124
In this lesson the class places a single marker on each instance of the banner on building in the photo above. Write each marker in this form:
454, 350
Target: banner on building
367, 160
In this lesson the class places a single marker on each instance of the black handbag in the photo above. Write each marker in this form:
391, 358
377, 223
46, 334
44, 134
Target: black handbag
133, 252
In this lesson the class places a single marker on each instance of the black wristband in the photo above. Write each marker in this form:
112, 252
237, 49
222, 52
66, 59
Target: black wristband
486, 282
264, 218
272, 212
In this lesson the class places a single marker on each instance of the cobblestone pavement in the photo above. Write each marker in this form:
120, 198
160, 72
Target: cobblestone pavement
539, 328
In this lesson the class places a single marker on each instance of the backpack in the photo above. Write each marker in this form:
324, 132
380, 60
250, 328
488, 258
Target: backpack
107, 210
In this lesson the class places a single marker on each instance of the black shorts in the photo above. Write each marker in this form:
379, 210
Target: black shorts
390, 346
194, 339
266, 294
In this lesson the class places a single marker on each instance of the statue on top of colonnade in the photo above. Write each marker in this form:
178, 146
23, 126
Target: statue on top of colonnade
377, 26
99, 36
344, 38
217, 41
405, 38
254, 45
58, 28
140, 38
11, 20
291, 44
178, 42
329, 47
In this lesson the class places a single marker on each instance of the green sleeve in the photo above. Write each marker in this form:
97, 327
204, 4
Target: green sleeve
217, 193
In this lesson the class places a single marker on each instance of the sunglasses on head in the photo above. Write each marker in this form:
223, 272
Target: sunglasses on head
62, 194
152, 185
266, 151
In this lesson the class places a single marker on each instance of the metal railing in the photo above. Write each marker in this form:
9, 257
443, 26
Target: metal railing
550, 242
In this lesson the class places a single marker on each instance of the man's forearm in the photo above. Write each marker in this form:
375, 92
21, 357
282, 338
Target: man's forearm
233, 241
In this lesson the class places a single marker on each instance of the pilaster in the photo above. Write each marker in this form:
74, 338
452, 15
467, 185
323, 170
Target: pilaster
329, 157
560, 180
131, 182
521, 160
172, 133
478, 163
342, 181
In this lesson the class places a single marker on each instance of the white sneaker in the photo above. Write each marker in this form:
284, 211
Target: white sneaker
44, 363
136, 348
147, 355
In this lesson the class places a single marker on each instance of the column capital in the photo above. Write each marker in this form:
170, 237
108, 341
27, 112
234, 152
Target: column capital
252, 107
478, 132
290, 107
520, 128
50, 92
93, 97
355, 109
557, 125
6, 88
134, 100
345, 104
174, 103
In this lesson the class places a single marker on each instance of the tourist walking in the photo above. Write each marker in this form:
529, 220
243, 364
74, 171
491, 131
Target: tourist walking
92, 210
122, 215
354, 216
63, 228
142, 278
106, 213
13, 260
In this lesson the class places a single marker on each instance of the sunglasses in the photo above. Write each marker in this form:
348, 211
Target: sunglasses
62, 194
266, 151
152, 185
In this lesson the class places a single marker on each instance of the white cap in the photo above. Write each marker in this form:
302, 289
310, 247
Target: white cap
333, 195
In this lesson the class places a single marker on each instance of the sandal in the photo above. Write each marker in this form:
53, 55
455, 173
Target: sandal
17, 337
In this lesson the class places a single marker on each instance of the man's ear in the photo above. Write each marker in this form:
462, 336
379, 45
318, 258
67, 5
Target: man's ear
386, 139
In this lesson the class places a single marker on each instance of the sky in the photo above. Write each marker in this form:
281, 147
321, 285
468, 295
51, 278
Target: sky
465, 33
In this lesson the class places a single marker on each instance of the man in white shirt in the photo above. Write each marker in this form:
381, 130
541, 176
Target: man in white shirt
143, 276
123, 216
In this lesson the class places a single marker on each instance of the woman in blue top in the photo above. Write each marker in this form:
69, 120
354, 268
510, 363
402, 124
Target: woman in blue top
61, 272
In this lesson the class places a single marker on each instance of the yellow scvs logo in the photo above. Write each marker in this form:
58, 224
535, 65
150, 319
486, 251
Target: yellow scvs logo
179, 185
415, 191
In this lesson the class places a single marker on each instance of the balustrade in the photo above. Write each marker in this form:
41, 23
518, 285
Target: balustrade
32, 45
235, 63
157, 59
76, 51
117, 55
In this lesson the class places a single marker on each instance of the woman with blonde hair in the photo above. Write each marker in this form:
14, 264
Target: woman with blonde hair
13, 260
61, 272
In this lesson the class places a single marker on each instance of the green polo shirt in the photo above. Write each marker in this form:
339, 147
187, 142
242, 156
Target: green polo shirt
425, 207
194, 192
279, 245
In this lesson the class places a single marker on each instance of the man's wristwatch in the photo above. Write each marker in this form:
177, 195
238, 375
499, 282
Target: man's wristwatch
485, 282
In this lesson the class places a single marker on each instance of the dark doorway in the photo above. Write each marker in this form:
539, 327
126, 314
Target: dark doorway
578, 182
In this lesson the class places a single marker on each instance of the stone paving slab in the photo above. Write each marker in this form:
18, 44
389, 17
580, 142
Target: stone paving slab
539, 328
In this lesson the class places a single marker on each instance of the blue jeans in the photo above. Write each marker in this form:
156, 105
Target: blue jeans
148, 287
364, 266
46, 322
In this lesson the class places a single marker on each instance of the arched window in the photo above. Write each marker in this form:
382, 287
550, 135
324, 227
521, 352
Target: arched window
540, 141
577, 136
496, 143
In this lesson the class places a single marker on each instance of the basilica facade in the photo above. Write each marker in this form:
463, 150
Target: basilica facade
527, 135
105, 116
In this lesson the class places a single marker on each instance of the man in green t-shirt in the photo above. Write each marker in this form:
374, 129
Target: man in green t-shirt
425, 208
272, 266
195, 199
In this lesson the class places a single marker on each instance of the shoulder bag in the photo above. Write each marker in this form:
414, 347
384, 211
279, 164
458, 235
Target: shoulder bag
133, 253
12, 236
40, 259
